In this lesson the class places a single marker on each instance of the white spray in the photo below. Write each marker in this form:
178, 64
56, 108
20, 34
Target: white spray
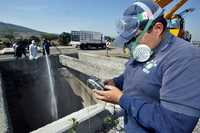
54, 110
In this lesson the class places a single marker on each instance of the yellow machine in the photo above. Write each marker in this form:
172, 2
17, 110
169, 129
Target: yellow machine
176, 22
177, 25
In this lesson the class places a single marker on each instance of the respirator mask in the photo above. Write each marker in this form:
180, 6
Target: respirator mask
136, 17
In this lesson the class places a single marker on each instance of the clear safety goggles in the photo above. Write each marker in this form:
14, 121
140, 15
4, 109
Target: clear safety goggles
133, 19
127, 27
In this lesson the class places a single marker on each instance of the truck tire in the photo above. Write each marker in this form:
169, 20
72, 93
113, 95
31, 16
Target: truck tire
85, 46
82, 47
104, 46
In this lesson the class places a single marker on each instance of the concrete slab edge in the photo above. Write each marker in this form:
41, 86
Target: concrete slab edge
66, 123
87, 68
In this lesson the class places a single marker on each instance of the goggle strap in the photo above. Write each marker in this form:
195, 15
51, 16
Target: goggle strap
148, 10
145, 8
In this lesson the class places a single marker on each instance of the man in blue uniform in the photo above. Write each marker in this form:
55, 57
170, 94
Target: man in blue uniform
46, 47
159, 90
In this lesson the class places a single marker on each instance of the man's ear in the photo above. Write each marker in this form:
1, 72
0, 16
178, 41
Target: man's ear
158, 28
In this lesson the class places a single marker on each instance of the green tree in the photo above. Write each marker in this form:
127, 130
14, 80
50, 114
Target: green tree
10, 38
50, 37
64, 38
108, 38
35, 38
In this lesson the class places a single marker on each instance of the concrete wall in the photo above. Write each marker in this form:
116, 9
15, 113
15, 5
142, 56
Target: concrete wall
26, 84
28, 97
3, 116
91, 65
90, 120
106, 62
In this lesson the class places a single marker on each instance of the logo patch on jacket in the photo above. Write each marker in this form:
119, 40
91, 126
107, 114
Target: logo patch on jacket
148, 66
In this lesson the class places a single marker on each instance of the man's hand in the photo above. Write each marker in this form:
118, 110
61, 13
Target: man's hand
109, 82
111, 95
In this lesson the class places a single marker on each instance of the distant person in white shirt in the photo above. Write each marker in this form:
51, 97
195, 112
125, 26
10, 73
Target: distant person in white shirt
33, 50
15, 47
108, 45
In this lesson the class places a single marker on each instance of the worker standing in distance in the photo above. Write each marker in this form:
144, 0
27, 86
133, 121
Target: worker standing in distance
46, 47
108, 47
33, 50
159, 90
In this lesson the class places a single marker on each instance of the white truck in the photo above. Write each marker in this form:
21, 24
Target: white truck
89, 39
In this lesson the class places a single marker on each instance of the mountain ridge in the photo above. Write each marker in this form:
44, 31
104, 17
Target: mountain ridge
17, 30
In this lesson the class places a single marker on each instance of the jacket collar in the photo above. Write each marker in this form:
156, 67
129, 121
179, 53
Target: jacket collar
165, 42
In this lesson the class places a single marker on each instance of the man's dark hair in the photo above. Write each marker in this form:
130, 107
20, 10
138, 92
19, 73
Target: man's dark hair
162, 20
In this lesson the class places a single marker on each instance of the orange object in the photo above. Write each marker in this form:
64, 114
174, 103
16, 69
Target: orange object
162, 3
175, 8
